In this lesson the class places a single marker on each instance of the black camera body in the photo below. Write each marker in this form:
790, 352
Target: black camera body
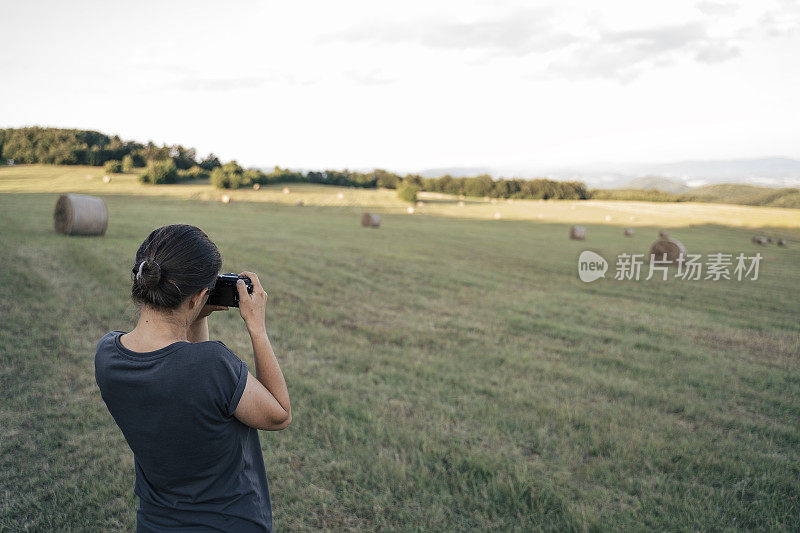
225, 291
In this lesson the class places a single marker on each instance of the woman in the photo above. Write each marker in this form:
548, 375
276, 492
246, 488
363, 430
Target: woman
188, 407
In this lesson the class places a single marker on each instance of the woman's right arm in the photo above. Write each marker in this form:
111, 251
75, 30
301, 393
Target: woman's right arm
265, 401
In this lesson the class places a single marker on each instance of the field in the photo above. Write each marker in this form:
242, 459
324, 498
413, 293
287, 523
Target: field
448, 371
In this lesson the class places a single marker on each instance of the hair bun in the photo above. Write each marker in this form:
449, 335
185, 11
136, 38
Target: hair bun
149, 274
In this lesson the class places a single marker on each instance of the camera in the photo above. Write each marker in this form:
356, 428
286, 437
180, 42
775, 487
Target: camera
225, 291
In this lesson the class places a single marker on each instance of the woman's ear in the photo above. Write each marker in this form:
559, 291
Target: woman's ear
198, 300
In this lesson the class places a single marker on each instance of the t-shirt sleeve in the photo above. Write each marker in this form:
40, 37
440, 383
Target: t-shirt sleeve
229, 377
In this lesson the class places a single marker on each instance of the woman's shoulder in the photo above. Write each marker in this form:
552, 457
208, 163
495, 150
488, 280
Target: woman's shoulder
212, 352
107, 342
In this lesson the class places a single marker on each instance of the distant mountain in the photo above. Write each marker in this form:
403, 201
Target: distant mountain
659, 183
766, 171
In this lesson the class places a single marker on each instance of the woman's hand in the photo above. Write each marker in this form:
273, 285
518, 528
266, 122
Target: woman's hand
252, 307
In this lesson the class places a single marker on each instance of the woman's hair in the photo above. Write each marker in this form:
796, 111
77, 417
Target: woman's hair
173, 263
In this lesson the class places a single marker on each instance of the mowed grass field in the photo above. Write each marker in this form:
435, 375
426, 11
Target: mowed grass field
63, 179
446, 373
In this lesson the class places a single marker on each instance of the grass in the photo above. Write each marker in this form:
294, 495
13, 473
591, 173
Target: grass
446, 373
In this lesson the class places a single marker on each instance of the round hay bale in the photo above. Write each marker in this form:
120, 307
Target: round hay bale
497, 216
577, 233
420, 203
759, 239
410, 210
769, 240
629, 232
106, 179
77, 214
286, 190
608, 218
370, 220
460, 203
256, 186
225, 199
663, 235
781, 242
340, 196
300, 203
675, 251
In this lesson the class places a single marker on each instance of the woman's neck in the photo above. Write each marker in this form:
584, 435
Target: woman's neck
156, 330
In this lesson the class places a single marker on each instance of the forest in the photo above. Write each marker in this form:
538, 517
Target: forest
176, 163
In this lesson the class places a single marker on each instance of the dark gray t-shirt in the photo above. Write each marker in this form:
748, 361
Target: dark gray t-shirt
197, 467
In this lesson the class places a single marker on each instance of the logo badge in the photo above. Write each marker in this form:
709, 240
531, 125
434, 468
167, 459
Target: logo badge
591, 266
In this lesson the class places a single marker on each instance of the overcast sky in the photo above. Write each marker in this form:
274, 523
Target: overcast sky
409, 85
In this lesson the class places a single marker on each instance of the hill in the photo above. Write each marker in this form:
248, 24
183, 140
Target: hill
745, 195
658, 183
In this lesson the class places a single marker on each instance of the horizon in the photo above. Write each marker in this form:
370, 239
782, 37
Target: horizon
628, 169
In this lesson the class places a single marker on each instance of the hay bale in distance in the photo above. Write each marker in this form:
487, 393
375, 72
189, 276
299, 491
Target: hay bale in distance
78, 214
461, 203
577, 233
225, 199
629, 232
782, 242
497, 216
410, 210
286, 190
759, 239
675, 251
663, 234
300, 203
370, 220
256, 186
106, 179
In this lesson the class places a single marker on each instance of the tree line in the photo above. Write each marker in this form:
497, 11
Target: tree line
57, 146
176, 163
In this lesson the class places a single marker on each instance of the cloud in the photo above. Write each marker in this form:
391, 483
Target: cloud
713, 8
517, 33
537, 36
781, 21
197, 83
193, 83
374, 76
624, 55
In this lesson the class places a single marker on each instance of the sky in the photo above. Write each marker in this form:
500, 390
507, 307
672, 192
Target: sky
413, 85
